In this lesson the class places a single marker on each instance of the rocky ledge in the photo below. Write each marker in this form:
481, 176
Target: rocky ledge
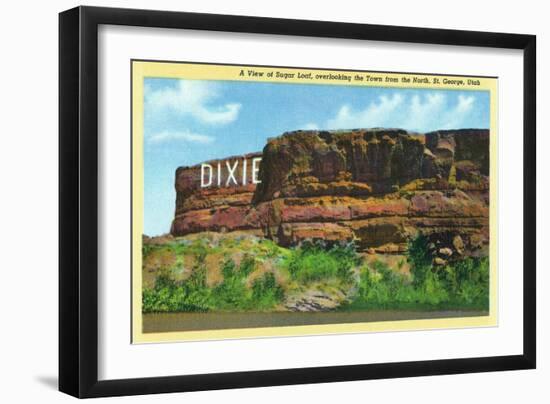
377, 187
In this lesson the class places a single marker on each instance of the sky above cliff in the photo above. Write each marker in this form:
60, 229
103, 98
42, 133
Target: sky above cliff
189, 121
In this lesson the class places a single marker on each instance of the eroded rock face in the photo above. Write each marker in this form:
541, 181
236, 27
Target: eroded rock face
378, 187
208, 201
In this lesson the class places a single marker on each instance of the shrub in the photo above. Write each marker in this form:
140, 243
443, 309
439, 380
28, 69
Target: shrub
233, 294
347, 258
193, 294
462, 284
197, 279
419, 258
248, 264
232, 291
266, 292
168, 295
380, 287
315, 261
146, 250
433, 291
473, 280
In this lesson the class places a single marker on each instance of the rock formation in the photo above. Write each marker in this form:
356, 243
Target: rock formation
378, 187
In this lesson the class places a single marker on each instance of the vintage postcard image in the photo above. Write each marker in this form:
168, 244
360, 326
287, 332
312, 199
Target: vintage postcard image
273, 201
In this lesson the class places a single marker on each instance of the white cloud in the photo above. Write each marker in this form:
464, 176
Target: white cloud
195, 99
184, 136
377, 113
420, 112
424, 113
455, 117
310, 126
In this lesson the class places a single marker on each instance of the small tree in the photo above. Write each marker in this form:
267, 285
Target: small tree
420, 259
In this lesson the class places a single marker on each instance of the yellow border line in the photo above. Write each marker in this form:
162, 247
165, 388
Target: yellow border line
197, 71
137, 197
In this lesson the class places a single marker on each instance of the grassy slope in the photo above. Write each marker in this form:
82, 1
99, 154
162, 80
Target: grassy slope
216, 272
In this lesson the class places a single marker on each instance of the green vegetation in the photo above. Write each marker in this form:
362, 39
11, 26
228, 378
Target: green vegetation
193, 294
420, 259
253, 274
315, 262
463, 284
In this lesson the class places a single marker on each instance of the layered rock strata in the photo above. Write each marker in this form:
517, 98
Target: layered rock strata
377, 187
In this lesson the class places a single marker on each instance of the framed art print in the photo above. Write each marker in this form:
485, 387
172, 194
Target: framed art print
295, 201
346, 224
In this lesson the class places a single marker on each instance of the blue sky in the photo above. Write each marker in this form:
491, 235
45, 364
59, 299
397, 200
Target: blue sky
190, 121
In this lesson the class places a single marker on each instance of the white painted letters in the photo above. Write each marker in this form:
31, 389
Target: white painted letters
203, 167
256, 169
229, 173
244, 171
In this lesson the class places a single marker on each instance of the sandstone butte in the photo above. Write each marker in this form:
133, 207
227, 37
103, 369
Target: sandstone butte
377, 187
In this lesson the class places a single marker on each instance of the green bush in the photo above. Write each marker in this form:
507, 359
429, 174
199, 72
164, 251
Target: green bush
248, 265
314, 262
380, 287
460, 284
146, 250
266, 292
170, 296
197, 279
472, 280
232, 293
432, 290
419, 258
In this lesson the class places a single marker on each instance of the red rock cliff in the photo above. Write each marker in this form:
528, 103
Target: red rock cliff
378, 187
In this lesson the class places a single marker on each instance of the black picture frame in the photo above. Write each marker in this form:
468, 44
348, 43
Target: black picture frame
78, 201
